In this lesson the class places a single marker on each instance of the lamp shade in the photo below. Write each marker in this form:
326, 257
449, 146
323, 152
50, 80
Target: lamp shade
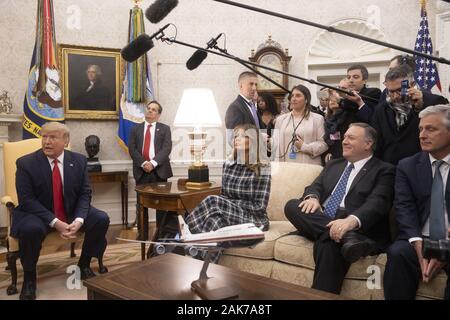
197, 108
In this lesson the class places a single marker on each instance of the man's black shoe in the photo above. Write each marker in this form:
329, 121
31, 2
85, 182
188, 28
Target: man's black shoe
28, 291
356, 245
86, 273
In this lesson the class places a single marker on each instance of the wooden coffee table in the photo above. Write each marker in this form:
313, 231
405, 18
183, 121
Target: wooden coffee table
169, 277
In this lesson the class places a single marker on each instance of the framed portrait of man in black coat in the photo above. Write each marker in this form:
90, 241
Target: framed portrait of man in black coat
91, 81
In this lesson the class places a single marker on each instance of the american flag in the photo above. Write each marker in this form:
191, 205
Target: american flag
426, 73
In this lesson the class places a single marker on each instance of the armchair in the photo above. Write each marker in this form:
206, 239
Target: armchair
11, 152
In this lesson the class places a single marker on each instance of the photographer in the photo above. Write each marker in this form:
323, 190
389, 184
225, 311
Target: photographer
396, 119
422, 207
337, 121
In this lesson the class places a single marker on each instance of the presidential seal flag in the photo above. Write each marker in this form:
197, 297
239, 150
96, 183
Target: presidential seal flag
137, 86
42, 101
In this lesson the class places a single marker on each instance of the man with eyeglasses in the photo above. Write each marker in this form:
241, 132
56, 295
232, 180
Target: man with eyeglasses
396, 118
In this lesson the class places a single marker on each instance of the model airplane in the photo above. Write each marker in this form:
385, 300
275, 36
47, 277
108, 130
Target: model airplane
241, 235
239, 232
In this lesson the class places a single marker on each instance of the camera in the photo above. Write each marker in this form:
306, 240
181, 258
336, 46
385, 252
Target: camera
404, 91
437, 249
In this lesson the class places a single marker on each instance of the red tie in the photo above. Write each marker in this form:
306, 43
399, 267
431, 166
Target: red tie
148, 138
58, 202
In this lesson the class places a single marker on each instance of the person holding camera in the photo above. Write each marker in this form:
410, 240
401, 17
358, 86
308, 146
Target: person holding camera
396, 119
422, 208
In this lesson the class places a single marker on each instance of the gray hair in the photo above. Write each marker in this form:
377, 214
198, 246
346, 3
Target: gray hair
57, 126
439, 109
369, 132
400, 72
97, 69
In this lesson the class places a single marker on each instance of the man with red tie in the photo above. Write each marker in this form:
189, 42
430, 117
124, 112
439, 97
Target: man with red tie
149, 146
54, 194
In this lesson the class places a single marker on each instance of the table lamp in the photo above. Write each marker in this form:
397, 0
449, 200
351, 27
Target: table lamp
197, 110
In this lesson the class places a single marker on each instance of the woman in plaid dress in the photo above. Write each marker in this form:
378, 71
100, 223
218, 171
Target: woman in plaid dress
245, 188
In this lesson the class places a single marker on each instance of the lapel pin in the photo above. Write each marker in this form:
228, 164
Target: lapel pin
71, 164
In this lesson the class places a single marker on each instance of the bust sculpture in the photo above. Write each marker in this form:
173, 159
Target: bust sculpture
92, 146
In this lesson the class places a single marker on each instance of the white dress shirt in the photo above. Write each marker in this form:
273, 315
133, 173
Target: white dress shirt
358, 165
152, 143
444, 173
61, 171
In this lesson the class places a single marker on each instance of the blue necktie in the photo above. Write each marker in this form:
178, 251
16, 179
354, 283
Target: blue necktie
255, 115
437, 218
338, 193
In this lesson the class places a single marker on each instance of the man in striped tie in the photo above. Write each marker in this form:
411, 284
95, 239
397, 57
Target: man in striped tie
345, 210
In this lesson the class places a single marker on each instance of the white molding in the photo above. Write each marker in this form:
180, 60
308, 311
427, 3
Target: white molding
443, 46
330, 54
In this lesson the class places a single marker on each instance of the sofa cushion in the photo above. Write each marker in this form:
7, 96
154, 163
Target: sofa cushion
255, 266
265, 249
298, 251
289, 180
351, 288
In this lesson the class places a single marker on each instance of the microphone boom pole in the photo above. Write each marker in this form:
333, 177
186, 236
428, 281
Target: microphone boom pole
332, 29
242, 61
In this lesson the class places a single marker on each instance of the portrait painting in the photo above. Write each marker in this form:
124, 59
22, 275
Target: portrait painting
91, 82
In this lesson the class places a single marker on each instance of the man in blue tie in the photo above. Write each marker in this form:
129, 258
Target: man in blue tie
422, 208
345, 210
243, 110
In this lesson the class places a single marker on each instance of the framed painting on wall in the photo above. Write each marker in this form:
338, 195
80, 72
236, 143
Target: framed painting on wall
91, 81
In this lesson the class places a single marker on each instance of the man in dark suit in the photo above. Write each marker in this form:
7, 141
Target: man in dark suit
396, 118
149, 147
243, 110
94, 95
364, 99
422, 208
356, 193
54, 194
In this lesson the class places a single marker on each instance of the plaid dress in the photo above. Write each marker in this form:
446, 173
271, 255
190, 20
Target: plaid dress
243, 199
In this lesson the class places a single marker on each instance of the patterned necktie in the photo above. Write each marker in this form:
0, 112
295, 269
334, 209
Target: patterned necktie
148, 138
338, 194
58, 202
437, 218
254, 113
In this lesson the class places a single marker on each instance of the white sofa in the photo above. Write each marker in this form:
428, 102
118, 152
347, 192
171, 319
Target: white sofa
289, 257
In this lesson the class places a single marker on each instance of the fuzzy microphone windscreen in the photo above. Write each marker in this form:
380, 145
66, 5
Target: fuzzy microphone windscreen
160, 9
137, 48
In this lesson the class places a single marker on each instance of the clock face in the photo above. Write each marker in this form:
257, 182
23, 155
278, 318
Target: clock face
273, 61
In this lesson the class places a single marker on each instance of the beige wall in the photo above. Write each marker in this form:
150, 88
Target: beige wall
104, 23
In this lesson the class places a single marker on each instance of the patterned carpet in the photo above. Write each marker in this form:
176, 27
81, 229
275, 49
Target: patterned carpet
54, 265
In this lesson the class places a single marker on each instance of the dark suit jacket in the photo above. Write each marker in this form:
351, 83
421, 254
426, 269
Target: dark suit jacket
98, 98
393, 144
239, 113
34, 188
413, 193
163, 147
365, 113
369, 198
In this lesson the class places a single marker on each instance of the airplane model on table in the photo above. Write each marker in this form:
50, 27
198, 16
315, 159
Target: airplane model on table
240, 235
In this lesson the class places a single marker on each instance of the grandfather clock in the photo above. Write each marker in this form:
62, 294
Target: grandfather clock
271, 54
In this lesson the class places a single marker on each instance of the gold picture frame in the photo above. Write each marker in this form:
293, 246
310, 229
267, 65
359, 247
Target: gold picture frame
91, 79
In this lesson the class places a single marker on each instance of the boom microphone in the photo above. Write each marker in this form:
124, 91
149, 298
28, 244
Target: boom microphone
140, 45
160, 9
197, 58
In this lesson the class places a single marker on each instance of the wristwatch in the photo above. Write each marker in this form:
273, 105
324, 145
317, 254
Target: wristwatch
309, 196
